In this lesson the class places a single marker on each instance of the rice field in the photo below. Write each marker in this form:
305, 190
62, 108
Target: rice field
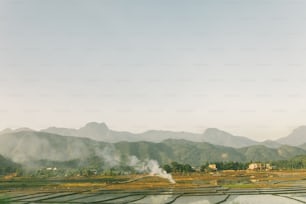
220, 187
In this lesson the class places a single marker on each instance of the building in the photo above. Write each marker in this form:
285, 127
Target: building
259, 166
212, 167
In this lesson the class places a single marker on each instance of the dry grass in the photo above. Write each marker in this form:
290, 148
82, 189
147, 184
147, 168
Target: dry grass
231, 179
84, 185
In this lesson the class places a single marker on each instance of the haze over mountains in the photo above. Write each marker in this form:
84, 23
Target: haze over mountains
30, 148
101, 132
96, 140
297, 137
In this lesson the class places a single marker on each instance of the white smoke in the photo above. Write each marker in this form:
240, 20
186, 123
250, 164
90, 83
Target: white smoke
112, 159
110, 156
150, 166
155, 170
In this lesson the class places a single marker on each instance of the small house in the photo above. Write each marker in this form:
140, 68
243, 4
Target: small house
212, 167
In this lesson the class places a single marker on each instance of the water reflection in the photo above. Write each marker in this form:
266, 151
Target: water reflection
255, 199
200, 199
156, 199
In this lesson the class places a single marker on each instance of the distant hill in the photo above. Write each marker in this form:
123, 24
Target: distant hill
296, 138
93, 130
270, 143
288, 152
5, 162
7, 166
263, 153
100, 132
201, 152
160, 135
28, 146
302, 146
216, 136
8, 130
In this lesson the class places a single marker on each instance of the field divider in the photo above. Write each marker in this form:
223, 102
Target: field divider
174, 199
289, 198
32, 196
57, 196
110, 199
224, 200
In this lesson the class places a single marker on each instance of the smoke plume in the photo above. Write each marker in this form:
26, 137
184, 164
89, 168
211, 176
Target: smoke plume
150, 166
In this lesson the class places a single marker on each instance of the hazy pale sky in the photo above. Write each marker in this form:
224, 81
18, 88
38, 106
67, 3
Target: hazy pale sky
237, 65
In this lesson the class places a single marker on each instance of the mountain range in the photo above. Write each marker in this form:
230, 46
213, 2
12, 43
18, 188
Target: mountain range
101, 132
112, 147
28, 147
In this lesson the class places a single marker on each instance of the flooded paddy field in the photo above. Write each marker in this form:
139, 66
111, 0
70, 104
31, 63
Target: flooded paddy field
226, 187
177, 197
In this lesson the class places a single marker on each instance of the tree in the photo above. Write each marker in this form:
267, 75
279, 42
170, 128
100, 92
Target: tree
187, 168
167, 168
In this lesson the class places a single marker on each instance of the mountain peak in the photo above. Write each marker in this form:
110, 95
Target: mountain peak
94, 130
299, 129
91, 130
214, 131
95, 125
297, 137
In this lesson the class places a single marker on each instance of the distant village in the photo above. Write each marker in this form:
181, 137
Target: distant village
175, 168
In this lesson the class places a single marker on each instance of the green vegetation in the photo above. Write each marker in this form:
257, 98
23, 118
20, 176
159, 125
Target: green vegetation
94, 166
7, 166
47, 155
4, 200
178, 168
297, 162
76, 152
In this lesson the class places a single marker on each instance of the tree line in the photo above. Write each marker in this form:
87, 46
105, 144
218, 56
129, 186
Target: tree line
72, 168
178, 168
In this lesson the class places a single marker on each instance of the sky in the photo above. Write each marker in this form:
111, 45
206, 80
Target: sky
183, 65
